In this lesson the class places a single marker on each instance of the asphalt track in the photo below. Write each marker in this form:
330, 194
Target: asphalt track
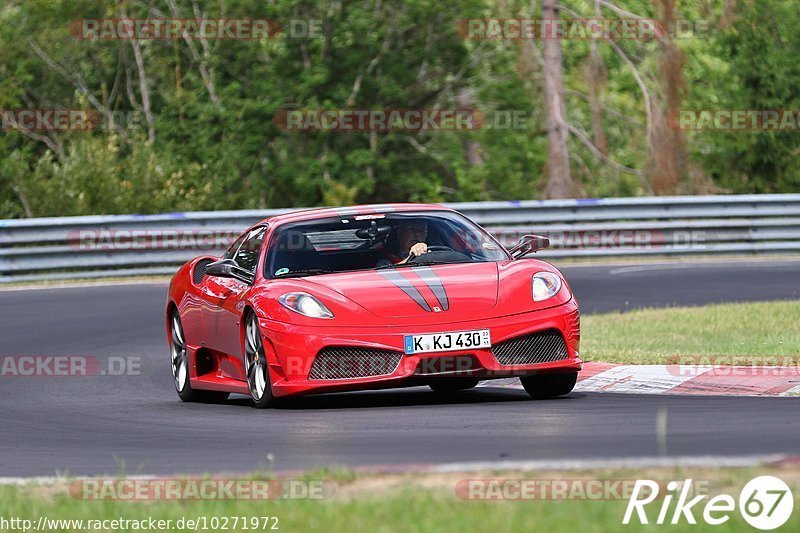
100, 425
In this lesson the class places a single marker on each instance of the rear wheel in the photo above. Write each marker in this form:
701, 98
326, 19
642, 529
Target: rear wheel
256, 367
542, 386
180, 367
453, 385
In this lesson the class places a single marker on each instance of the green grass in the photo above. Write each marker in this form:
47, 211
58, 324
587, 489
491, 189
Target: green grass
404, 502
744, 333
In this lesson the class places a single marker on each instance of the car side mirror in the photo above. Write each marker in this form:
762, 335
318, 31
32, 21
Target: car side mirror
529, 244
227, 268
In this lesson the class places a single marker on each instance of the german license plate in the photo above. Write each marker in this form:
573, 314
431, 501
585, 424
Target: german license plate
445, 342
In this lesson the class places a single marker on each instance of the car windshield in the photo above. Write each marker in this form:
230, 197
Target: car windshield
378, 241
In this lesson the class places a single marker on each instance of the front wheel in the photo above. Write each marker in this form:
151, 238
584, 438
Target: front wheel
256, 367
453, 385
542, 386
180, 367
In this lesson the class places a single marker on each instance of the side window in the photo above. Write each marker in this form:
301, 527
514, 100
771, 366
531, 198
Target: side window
247, 254
231, 251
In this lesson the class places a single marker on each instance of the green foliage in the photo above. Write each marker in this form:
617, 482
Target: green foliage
226, 151
761, 72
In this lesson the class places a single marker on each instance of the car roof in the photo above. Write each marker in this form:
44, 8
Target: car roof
328, 212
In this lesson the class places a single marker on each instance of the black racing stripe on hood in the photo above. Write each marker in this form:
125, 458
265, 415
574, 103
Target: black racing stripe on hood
434, 284
406, 286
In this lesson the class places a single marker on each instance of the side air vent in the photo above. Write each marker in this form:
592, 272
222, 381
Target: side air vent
200, 270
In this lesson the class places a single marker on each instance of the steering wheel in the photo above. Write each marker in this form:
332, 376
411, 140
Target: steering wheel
439, 249
430, 249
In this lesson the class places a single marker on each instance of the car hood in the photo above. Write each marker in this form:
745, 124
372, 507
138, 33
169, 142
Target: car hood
418, 291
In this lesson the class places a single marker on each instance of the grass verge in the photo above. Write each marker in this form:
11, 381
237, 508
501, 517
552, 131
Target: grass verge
742, 333
414, 502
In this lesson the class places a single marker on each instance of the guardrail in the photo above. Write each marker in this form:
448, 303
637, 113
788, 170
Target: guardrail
128, 245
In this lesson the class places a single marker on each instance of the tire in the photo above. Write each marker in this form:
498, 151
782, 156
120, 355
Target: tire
256, 366
453, 385
180, 367
544, 386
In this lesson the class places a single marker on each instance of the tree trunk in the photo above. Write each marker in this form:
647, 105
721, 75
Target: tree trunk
472, 148
668, 158
559, 180
597, 83
143, 89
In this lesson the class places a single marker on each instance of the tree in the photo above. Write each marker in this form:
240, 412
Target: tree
559, 180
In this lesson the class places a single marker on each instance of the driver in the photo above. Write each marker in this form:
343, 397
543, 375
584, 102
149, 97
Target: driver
411, 235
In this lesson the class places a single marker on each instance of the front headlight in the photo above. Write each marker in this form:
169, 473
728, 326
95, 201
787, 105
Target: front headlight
545, 285
305, 304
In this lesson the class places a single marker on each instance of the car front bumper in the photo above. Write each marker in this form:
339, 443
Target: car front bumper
291, 350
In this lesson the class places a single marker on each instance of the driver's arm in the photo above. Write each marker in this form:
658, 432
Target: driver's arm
416, 250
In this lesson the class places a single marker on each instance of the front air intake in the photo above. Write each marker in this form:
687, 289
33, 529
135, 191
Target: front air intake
540, 347
349, 362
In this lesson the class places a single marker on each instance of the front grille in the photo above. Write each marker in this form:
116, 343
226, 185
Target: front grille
200, 270
348, 362
539, 347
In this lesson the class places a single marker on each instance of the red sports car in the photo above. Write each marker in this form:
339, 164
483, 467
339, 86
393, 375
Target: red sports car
370, 297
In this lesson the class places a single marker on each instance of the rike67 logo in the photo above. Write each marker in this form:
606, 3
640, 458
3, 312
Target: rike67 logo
765, 503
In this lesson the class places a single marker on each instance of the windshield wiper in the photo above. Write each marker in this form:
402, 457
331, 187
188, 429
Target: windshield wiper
304, 272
